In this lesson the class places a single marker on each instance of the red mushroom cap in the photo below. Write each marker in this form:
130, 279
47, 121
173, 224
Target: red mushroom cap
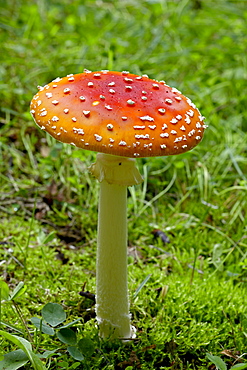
118, 113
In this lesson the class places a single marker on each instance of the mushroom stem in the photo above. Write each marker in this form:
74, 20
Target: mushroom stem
112, 307
112, 303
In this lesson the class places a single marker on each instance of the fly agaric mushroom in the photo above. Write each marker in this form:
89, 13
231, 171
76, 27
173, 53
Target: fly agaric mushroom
122, 116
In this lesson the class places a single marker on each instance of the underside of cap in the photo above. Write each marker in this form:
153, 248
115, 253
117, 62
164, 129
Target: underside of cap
118, 113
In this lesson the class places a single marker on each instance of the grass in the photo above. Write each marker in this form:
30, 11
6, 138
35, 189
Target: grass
193, 300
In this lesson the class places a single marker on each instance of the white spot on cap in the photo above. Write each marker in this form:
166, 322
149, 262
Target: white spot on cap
190, 113
187, 119
163, 146
168, 101
66, 91
70, 79
178, 98
86, 113
112, 91
55, 119
98, 137
82, 98
90, 84
44, 113
176, 90
164, 134
111, 83
164, 126
108, 107
192, 132
146, 136
55, 102
156, 86
182, 128
74, 119
57, 79
111, 140
54, 127
97, 75
66, 110
173, 132
39, 102
179, 117
48, 95
147, 118
124, 118
161, 110
190, 103
126, 79
173, 121
180, 138
122, 143
139, 127
130, 102
78, 131
198, 137
109, 126
152, 127
144, 98
184, 146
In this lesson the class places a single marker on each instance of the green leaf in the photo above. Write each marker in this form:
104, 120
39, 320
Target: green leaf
239, 367
75, 353
67, 336
26, 347
48, 354
217, 361
14, 360
18, 291
53, 314
72, 323
4, 290
42, 326
49, 237
86, 346
75, 365
142, 285
12, 327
